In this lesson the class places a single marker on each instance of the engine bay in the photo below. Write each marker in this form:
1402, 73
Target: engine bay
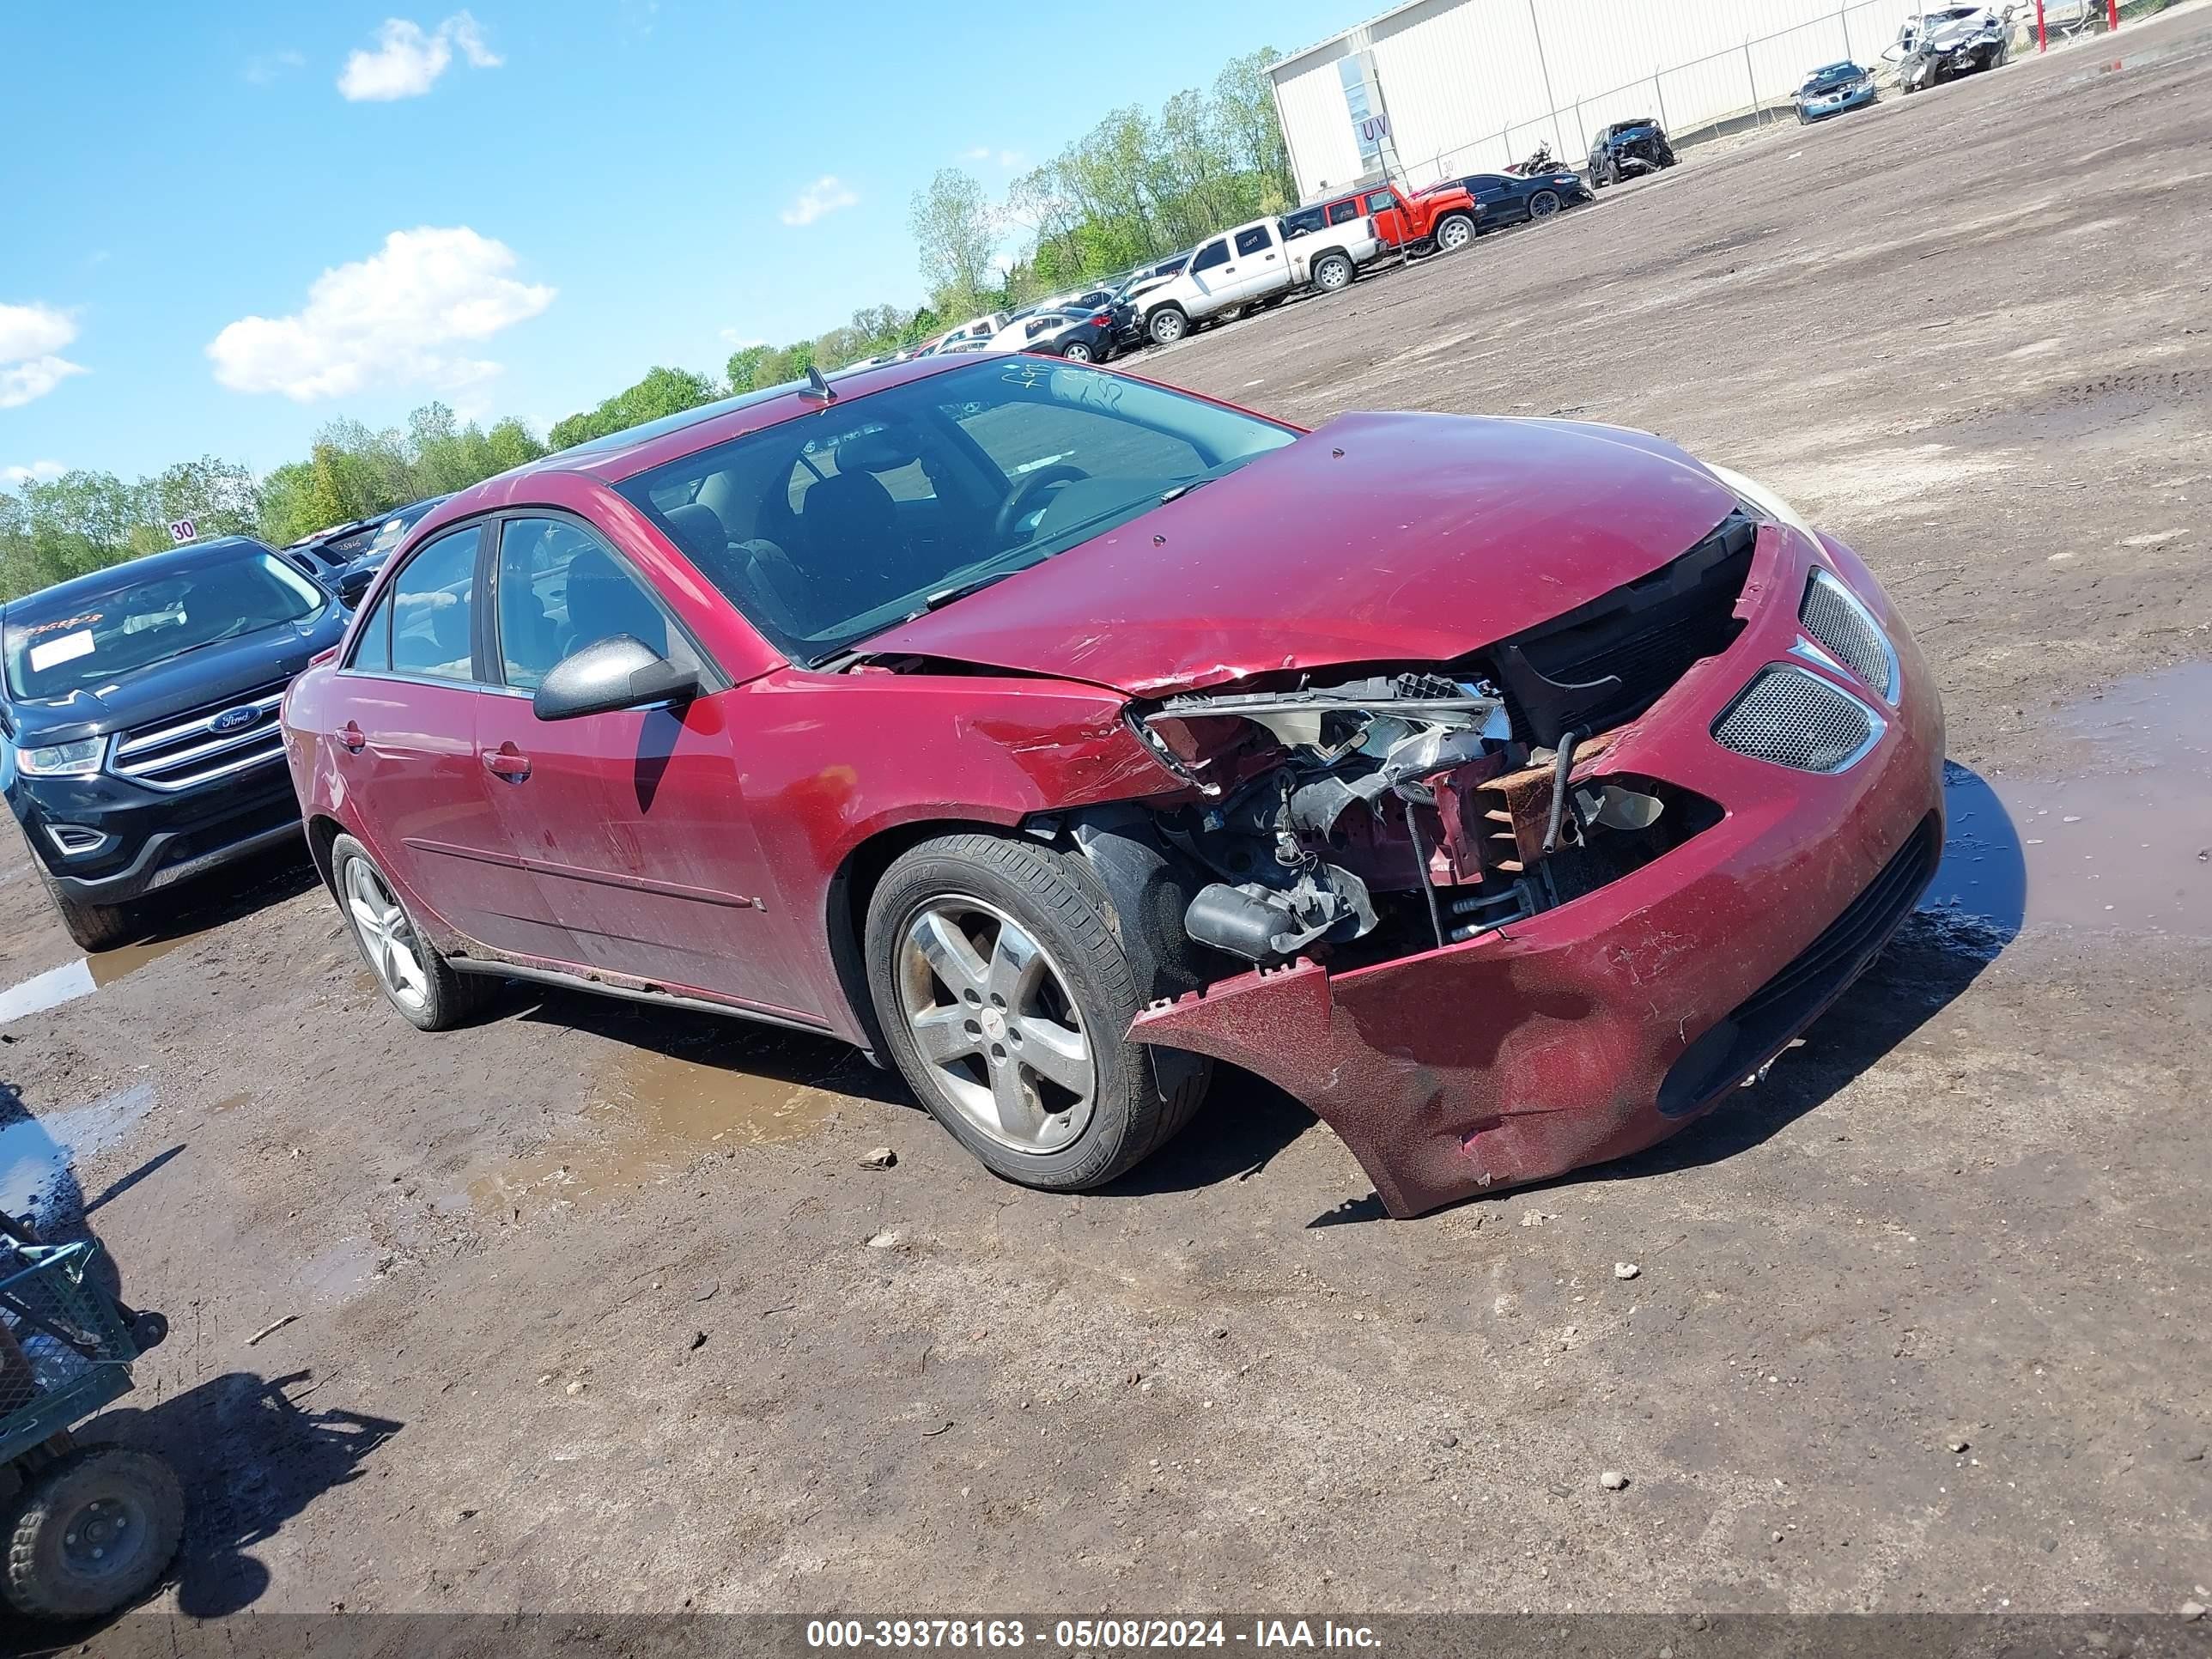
1389, 814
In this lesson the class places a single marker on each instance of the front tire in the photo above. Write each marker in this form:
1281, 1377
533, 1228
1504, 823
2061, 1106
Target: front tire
1005, 992
93, 1533
414, 978
1332, 273
1167, 325
94, 928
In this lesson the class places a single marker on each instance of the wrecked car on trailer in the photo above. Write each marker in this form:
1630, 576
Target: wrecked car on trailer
1056, 735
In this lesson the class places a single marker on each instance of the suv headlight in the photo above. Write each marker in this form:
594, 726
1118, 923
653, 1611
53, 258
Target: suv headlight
61, 760
1757, 495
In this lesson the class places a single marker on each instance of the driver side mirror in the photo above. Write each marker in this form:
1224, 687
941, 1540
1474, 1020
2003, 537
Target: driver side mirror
611, 674
352, 586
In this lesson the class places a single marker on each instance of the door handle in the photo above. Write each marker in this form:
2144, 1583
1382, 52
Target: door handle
506, 762
351, 737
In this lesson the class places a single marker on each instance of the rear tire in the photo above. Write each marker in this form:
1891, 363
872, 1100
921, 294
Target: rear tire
1076, 352
1543, 204
1454, 231
1167, 325
1332, 273
974, 942
93, 1534
416, 980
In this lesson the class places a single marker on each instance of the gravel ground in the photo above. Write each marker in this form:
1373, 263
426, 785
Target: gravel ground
598, 1309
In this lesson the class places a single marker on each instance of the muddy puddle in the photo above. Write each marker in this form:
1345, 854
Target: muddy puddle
2122, 839
38, 1155
653, 1115
83, 977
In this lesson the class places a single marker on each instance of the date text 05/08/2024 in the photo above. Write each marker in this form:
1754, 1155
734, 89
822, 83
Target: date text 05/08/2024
1085, 1635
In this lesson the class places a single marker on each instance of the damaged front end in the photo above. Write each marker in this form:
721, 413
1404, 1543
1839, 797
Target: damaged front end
1415, 897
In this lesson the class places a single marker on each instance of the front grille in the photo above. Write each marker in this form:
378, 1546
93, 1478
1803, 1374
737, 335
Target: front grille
188, 749
1832, 614
1765, 1020
1610, 660
1795, 718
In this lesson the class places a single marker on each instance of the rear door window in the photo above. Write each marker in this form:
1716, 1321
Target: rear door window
1254, 241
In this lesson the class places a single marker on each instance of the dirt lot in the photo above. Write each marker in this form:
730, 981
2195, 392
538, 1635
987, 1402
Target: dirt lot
596, 1308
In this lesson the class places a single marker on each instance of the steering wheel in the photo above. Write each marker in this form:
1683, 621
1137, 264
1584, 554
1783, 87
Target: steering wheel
1023, 498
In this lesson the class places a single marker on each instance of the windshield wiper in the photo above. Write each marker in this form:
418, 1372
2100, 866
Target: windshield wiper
946, 596
1178, 491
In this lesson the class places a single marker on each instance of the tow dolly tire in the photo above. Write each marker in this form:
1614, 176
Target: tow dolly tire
1052, 897
52, 1573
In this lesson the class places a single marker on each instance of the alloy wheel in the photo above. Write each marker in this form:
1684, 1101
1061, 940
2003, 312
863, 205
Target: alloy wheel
992, 1017
1543, 204
387, 936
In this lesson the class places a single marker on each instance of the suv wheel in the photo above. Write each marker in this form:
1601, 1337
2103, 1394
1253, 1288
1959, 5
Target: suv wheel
1456, 231
414, 978
1004, 995
1332, 272
1167, 325
93, 926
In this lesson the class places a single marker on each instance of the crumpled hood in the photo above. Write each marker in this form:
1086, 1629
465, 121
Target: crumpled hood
1377, 538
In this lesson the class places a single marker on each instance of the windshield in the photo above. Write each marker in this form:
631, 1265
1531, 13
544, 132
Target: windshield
827, 529
82, 641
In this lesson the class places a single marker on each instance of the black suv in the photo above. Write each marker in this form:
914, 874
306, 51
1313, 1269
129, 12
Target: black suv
1627, 148
139, 744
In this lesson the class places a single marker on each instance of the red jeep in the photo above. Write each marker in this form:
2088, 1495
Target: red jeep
1440, 218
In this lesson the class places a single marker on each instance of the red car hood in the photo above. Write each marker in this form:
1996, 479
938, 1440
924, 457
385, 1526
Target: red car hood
1377, 538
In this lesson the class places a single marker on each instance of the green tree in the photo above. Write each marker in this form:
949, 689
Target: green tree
744, 369
955, 233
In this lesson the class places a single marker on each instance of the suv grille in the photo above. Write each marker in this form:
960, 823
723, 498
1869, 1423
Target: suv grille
183, 752
1795, 718
1833, 615
1610, 660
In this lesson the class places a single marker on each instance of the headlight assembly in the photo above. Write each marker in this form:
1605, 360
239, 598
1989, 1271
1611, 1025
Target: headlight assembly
61, 760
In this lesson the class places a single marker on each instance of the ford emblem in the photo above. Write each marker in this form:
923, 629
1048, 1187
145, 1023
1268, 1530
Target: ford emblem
233, 720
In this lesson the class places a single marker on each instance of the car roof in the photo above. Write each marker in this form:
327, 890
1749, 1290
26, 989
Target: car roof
621, 455
147, 567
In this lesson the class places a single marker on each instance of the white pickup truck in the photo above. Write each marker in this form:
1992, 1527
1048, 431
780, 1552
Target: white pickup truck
1253, 264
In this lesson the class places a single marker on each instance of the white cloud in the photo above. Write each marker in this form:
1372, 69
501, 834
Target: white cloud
408, 61
1006, 158
266, 67
383, 320
739, 341
31, 339
825, 195
39, 471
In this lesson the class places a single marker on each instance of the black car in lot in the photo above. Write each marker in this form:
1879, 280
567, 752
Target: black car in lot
1507, 198
139, 744
1625, 149
344, 557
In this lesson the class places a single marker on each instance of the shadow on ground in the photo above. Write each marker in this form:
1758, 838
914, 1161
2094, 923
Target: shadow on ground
252, 1458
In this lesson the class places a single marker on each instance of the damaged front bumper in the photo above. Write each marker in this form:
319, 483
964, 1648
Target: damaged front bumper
1600, 1026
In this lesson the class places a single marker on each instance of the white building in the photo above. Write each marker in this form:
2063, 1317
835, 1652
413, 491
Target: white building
1465, 86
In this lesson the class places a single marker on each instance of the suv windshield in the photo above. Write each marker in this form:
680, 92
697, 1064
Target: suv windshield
54, 646
833, 526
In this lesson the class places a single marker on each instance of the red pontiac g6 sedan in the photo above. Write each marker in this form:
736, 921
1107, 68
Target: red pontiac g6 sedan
1505, 790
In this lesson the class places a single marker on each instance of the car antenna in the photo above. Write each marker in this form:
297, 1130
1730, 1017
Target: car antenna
816, 387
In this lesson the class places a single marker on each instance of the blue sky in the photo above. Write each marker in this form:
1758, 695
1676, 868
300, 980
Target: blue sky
599, 185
